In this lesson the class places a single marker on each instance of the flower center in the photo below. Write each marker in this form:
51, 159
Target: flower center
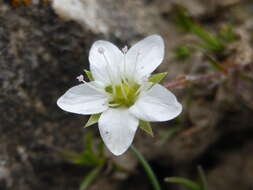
123, 95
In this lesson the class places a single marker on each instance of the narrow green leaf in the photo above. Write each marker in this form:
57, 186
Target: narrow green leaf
149, 171
72, 157
182, 52
215, 64
212, 43
202, 178
89, 143
84, 159
227, 34
101, 149
171, 132
145, 126
185, 182
245, 76
88, 180
89, 75
92, 120
87, 159
157, 78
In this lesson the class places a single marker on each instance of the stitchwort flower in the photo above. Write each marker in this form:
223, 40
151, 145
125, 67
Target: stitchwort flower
123, 94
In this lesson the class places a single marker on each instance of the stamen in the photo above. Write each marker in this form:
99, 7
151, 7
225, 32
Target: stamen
144, 88
80, 78
139, 90
108, 69
135, 64
114, 105
123, 74
124, 49
101, 50
145, 78
123, 90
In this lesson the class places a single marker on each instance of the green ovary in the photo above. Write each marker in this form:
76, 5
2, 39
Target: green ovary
123, 95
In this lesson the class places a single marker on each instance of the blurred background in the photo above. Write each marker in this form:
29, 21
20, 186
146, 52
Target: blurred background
209, 63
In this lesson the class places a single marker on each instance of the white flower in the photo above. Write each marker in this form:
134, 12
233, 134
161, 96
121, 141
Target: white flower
122, 92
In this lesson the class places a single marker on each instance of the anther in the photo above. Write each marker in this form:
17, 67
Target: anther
101, 50
80, 78
124, 49
145, 78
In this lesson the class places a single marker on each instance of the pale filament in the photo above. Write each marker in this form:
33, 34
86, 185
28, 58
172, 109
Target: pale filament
124, 75
108, 69
135, 64
81, 79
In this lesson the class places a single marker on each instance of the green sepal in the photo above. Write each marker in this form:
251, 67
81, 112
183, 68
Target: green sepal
157, 78
89, 75
145, 126
92, 120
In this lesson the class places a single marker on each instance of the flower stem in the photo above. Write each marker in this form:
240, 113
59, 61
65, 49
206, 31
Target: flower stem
147, 168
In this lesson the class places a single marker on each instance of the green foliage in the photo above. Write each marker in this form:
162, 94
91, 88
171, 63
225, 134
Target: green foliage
89, 157
182, 52
89, 75
151, 175
215, 64
157, 78
210, 42
188, 183
182, 19
87, 181
185, 182
145, 126
227, 34
92, 120
93, 156
172, 131
203, 180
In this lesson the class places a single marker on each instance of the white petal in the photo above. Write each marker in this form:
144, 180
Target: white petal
145, 56
117, 128
82, 99
105, 62
158, 104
